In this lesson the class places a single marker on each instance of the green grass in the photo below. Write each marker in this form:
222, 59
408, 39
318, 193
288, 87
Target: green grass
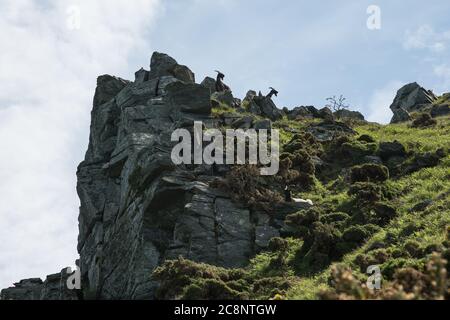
426, 228
422, 140
407, 231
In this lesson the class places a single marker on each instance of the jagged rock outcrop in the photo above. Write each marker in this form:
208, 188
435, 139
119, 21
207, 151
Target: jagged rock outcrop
209, 83
262, 105
411, 97
139, 209
440, 110
349, 114
53, 288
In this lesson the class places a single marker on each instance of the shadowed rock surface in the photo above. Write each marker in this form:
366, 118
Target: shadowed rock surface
411, 97
137, 208
53, 288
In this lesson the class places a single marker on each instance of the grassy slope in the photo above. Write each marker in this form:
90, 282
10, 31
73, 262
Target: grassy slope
428, 227
424, 230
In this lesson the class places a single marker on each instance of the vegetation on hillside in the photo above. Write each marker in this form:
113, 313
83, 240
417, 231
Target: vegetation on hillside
382, 197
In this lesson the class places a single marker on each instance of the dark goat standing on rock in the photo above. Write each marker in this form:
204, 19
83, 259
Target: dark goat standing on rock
220, 86
287, 194
272, 93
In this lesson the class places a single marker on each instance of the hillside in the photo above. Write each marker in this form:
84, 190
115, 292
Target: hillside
348, 195
400, 222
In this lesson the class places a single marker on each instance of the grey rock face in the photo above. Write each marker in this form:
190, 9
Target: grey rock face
107, 88
139, 209
267, 108
243, 123
326, 114
225, 97
344, 113
391, 149
53, 288
440, 110
163, 65
28, 289
400, 115
141, 76
326, 131
250, 95
302, 112
264, 124
210, 83
411, 97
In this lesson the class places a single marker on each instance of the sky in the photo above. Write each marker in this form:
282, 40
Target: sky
52, 52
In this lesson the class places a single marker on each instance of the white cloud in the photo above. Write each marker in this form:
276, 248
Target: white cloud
380, 101
426, 38
48, 74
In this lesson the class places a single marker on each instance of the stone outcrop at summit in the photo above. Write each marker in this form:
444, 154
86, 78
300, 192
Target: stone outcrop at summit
53, 288
411, 97
137, 208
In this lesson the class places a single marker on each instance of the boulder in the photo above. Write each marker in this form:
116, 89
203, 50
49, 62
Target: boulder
27, 289
141, 76
163, 65
53, 288
411, 97
107, 88
369, 173
224, 97
327, 131
249, 96
301, 112
209, 83
254, 108
268, 108
237, 104
348, 114
326, 114
391, 149
423, 120
440, 110
264, 124
243, 123
421, 206
372, 159
400, 115
189, 97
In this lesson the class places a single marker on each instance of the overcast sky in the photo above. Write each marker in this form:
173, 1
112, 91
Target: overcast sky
52, 51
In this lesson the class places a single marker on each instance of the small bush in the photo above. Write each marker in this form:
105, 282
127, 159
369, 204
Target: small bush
247, 185
366, 191
212, 289
185, 279
356, 234
383, 213
358, 149
335, 217
304, 141
278, 244
369, 173
413, 248
409, 282
423, 120
366, 138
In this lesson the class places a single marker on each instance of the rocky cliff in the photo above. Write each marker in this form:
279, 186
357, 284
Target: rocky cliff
139, 210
